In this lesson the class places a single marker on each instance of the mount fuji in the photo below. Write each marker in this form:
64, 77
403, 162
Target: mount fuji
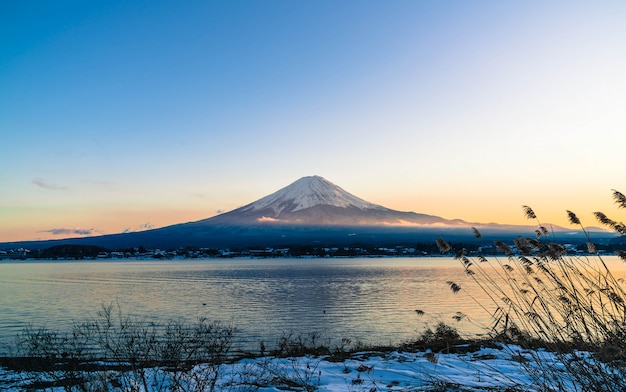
316, 201
310, 211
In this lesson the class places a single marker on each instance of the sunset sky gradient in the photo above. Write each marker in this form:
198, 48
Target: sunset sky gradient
125, 115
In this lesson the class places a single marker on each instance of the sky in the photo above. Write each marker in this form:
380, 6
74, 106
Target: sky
126, 115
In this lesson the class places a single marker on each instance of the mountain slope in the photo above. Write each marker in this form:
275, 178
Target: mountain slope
314, 200
309, 192
310, 211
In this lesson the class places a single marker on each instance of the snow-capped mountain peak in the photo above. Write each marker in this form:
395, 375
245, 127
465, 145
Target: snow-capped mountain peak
315, 201
309, 192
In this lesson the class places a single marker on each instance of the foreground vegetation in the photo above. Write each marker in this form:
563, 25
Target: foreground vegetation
116, 352
113, 353
543, 296
112, 350
544, 299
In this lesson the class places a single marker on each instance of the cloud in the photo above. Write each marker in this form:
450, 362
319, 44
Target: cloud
142, 227
65, 231
43, 184
267, 219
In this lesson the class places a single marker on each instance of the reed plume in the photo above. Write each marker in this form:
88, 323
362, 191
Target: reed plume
530, 214
443, 246
620, 199
543, 295
620, 227
573, 219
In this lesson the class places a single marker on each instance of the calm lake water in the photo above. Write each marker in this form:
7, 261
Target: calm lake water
368, 299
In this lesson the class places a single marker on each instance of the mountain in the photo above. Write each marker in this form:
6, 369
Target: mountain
311, 211
316, 201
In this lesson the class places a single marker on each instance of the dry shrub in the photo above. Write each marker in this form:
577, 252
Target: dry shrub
113, 351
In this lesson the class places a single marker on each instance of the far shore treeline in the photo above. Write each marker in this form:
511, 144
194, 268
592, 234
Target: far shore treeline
426, 249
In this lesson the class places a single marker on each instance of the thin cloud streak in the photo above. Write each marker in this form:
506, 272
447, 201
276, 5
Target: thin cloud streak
45, 185
66, 231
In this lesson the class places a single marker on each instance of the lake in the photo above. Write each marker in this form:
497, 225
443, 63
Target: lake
372, 300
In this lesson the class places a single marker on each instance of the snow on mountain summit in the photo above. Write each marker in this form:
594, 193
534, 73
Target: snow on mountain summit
309, 192
315, 201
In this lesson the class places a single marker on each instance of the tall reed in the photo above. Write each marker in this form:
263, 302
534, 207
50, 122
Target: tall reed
571, 304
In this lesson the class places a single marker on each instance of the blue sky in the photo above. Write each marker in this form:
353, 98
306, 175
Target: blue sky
123, 115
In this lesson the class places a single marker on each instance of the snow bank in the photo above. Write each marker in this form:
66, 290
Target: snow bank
486, 369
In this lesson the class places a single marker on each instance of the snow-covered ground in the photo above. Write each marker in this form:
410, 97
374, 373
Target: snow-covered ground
488, 369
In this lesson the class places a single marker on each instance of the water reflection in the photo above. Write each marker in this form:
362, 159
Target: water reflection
372, 300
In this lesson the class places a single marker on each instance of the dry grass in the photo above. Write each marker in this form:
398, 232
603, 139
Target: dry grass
112, 351
544, 296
